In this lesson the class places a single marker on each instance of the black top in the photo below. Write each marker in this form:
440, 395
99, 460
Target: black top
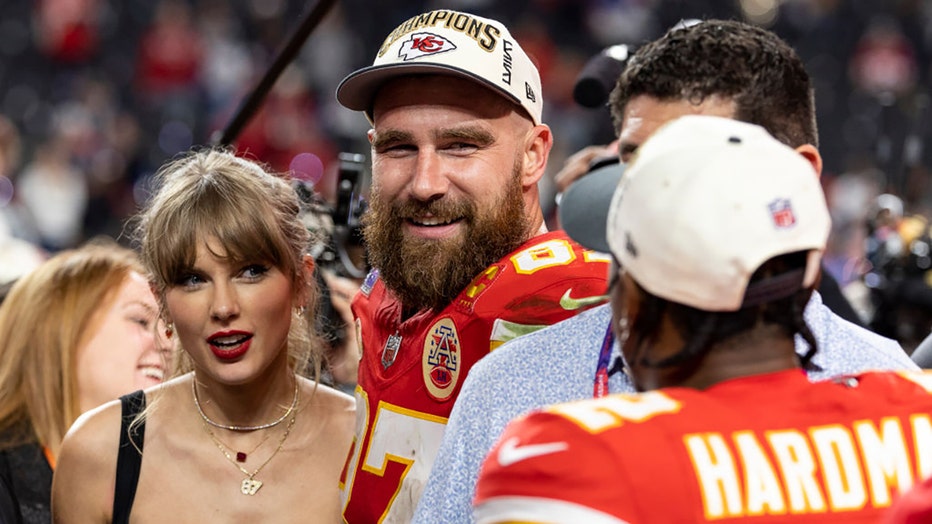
25, 485
129, 458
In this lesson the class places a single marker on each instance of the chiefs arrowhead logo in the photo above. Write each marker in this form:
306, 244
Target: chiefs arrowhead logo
421, 44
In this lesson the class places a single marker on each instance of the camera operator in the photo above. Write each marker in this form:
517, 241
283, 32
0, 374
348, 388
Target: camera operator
340, 265
343, 357
899, 279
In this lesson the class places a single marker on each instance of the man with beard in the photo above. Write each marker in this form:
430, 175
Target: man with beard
463, 261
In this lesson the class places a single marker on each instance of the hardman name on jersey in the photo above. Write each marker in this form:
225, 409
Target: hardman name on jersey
831, 467
834, 467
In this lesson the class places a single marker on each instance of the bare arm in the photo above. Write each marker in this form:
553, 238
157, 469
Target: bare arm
82, 487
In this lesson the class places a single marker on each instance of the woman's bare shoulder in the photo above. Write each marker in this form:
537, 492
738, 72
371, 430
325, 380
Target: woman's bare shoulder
331, 405
86, 465
330, 399
95, 430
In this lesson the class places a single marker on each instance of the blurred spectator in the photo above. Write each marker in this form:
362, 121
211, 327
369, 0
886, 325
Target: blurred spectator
168, 65
68, 30
55, 194
228, 67
899, 272
884, 62
15, 220
170, 52
17, 256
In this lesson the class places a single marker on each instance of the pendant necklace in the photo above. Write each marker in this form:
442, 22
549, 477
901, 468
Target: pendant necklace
250, 485
241, 456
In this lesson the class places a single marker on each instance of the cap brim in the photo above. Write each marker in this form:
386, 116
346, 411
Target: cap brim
358, 90
583, 210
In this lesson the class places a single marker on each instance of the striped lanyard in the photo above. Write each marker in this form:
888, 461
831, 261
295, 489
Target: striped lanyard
600, 384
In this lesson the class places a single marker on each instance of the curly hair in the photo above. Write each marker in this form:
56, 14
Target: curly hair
749, 65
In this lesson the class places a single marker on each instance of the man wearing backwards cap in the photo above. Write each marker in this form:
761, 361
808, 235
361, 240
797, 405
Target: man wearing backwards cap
455, 232
723, 68
717, 231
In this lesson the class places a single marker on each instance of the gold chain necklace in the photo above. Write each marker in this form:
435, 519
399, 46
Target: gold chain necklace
197, 403
241, 456
250, 484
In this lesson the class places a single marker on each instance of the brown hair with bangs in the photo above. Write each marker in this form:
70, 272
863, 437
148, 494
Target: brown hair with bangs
252, 213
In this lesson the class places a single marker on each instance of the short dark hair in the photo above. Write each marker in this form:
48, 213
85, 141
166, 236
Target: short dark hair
750, 65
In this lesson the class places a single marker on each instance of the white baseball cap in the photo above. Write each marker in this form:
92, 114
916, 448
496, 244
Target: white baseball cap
451, 43
705, 202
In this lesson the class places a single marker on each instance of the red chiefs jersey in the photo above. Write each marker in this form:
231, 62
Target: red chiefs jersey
768, 448
914, 507
410, 372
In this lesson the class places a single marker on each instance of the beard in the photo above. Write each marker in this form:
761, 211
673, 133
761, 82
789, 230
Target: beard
429, 273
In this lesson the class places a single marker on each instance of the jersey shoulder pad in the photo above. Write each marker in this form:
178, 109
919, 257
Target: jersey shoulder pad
538, 274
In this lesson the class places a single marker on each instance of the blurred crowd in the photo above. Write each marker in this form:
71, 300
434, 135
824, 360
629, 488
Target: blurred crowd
95, 94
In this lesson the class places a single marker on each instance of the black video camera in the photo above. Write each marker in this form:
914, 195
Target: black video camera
338, 231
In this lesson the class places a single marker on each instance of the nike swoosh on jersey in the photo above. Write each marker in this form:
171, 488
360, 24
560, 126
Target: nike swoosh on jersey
511, 452
569, 303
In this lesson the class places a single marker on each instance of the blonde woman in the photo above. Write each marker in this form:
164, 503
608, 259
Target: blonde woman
75, 332
241, 436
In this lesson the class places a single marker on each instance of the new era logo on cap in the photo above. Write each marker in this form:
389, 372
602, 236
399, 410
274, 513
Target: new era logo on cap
529, 92
423, 44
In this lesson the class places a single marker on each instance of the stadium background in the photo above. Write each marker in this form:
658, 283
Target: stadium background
96, 94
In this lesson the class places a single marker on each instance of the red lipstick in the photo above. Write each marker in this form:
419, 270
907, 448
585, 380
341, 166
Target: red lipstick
229, 345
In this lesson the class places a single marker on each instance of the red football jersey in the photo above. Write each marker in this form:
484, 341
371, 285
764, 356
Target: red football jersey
768, 448
914, 507
410, 372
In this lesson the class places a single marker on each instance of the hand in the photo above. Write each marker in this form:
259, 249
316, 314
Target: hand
578, 164
344, 361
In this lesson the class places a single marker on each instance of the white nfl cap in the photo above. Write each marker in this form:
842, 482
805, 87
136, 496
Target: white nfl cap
451, 43
705, 202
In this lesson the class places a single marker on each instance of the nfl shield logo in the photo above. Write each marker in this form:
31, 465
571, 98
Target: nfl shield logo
782, 212
367, 284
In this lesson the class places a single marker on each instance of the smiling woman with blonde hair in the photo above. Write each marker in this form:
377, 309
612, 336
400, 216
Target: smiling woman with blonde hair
75, 332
